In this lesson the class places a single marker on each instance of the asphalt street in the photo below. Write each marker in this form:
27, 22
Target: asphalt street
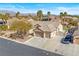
10, 48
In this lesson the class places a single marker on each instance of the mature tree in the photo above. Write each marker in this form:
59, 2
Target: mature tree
21, 26
48, 14
70, 22
39, 14
6, 17
2, 16
17, 14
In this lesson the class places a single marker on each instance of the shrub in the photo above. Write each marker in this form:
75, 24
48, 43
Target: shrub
3, 27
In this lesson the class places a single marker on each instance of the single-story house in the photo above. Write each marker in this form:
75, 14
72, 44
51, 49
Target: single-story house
46, 29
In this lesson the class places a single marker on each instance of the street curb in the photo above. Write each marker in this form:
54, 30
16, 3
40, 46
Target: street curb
11, 40
26, 44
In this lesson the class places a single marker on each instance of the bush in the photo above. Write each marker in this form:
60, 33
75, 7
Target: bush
3, 27
20, 26
65, 28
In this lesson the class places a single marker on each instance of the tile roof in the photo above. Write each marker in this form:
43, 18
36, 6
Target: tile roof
47, 25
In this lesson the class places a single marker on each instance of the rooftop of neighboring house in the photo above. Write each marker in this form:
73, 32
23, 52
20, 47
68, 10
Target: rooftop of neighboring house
74, 18
45, 18
55, 18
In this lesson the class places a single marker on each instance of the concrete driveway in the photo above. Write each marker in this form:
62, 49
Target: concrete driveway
54, 45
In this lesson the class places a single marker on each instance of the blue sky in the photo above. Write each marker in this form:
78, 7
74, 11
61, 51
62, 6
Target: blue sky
54, 8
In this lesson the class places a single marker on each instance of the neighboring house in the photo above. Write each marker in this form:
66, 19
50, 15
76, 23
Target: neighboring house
46, 29
70, 17
76, 36
55, 18
45, 18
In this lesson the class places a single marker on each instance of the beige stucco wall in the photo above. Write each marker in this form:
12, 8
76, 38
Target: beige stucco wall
60, 28
53, 34
76, 40
31, 31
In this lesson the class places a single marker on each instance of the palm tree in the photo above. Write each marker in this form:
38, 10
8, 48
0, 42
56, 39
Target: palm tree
61, 14
48, 14
17, 14
39, 14
2, 16
6, 17
65, 13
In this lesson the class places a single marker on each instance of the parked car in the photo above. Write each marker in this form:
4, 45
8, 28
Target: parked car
68, 39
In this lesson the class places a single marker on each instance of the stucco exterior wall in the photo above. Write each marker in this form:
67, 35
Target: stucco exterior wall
53, 34
60, 28
76, 40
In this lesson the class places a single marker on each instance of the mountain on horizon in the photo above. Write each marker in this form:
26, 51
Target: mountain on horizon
12, 13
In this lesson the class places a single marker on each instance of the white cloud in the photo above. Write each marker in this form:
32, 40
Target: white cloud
70, 10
